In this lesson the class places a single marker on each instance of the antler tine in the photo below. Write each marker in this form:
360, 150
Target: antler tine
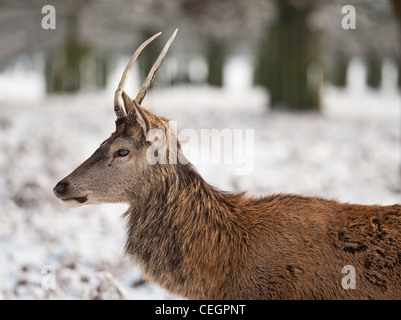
145, 86
118, 102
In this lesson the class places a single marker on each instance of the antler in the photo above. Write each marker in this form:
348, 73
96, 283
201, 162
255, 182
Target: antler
152, 73
118, 101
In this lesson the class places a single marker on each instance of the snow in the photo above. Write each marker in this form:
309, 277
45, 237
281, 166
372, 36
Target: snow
351, 152
40, 144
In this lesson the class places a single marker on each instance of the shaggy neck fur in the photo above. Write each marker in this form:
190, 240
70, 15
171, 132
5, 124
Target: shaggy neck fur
201, 243
185, 234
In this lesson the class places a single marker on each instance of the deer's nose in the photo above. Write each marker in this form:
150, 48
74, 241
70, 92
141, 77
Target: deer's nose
59, 189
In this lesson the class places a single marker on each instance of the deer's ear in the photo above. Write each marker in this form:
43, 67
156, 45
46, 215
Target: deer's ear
135, 113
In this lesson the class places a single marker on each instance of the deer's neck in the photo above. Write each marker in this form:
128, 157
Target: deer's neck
186, 234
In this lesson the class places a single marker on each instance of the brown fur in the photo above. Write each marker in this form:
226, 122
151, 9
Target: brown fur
202, 243
205, 244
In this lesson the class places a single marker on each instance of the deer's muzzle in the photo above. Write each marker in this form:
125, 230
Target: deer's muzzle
60, 190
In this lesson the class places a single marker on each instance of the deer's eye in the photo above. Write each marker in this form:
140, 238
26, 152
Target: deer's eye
121, 153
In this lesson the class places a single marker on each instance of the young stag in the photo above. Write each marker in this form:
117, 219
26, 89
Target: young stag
202, 243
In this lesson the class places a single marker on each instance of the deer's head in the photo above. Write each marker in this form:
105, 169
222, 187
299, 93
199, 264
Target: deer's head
119, 169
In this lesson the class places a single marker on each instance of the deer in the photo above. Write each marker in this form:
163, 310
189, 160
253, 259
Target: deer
199, 242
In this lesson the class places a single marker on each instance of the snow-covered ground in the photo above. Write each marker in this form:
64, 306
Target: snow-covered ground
343, 154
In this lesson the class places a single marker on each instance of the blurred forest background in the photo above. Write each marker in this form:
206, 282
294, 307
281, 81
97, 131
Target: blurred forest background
323, 101
290, 47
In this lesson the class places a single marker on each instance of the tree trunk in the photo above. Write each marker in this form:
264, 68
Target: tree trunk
289, 60
374, 75
215, 62
397, 12
63, 67
337, 70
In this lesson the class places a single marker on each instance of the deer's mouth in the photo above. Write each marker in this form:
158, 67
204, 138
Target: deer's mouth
74, 202
61, 191
79, 199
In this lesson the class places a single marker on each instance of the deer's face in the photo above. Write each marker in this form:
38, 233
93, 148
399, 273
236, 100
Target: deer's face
119, 170
114, 173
